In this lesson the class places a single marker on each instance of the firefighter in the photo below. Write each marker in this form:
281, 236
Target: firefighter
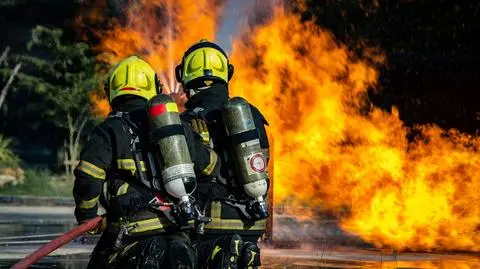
230, 239
134, 235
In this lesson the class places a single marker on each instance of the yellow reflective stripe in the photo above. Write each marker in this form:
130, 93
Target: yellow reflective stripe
151, 224
231, 224
148, 225
106, 194
113, 257
129, 164
214, 252
123, 189
87, 204
172, 107
213, 161
253, 257
216, 211
91, 169
237, 242
128, 248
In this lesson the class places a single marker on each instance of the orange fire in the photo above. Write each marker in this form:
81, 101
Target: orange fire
158, 30
465, 263
334, 150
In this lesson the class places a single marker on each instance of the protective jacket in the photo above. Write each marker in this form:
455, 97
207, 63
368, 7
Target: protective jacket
107, 173
226, 219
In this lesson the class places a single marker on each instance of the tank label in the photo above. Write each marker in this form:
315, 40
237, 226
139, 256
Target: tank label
250, 143
255, 163
177, 171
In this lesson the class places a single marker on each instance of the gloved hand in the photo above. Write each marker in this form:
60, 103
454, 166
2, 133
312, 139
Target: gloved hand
102, 225
199, 126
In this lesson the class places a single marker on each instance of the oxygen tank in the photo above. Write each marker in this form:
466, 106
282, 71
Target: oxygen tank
173, 155
249, 161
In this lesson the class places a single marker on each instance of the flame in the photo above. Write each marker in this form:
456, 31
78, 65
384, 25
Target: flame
334, 150
442, 264
158, 30
100, 104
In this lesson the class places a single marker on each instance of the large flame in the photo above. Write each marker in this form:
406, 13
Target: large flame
158, 30
334, 150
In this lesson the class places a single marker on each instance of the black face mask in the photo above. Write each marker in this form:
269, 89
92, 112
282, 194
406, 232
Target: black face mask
214, 96
128, 103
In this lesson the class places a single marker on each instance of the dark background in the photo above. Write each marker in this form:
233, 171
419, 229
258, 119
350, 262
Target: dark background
433, 54
432, 71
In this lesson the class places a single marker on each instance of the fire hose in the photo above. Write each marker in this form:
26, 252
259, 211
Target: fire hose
57, 243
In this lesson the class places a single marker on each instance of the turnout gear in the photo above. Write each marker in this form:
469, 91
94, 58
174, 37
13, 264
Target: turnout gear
250, 256
132, 76
131, 217
221, 252
146, 254
181, 244
141, 221
224, 199
202, 64
207, 106
152, 252
221, 197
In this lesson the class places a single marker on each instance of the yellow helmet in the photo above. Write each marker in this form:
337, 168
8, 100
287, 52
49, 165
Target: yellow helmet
132, 76
202, 63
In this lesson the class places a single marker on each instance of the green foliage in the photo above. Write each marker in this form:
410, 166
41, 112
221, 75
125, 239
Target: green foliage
64, 76
7, 157
40, 183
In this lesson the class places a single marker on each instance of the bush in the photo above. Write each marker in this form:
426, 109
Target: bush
39, 183
10, 172
7, 157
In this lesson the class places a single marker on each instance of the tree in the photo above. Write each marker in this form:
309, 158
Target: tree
63, 75
11, 76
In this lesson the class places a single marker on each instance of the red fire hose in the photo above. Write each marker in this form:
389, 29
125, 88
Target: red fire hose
57, 243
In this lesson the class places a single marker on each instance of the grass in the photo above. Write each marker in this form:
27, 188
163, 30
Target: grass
40, 183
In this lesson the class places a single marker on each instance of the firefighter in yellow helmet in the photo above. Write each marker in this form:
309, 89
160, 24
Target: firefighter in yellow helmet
230, 239
133, 234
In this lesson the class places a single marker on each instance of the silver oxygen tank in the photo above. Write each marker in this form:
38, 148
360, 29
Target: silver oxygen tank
173, 155
248, 158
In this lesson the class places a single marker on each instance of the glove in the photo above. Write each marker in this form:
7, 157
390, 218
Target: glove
102, 225
200, 127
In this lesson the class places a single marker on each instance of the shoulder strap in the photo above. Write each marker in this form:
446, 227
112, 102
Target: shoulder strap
128, 125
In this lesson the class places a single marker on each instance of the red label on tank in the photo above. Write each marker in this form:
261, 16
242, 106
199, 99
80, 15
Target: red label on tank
157, 110
257, 163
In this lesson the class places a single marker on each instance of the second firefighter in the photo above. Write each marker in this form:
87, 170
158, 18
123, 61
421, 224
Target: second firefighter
234, 198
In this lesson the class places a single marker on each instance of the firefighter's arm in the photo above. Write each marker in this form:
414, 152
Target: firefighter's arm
90, 173
205, 160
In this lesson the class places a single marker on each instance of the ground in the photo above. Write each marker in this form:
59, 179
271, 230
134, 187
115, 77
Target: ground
46, 222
